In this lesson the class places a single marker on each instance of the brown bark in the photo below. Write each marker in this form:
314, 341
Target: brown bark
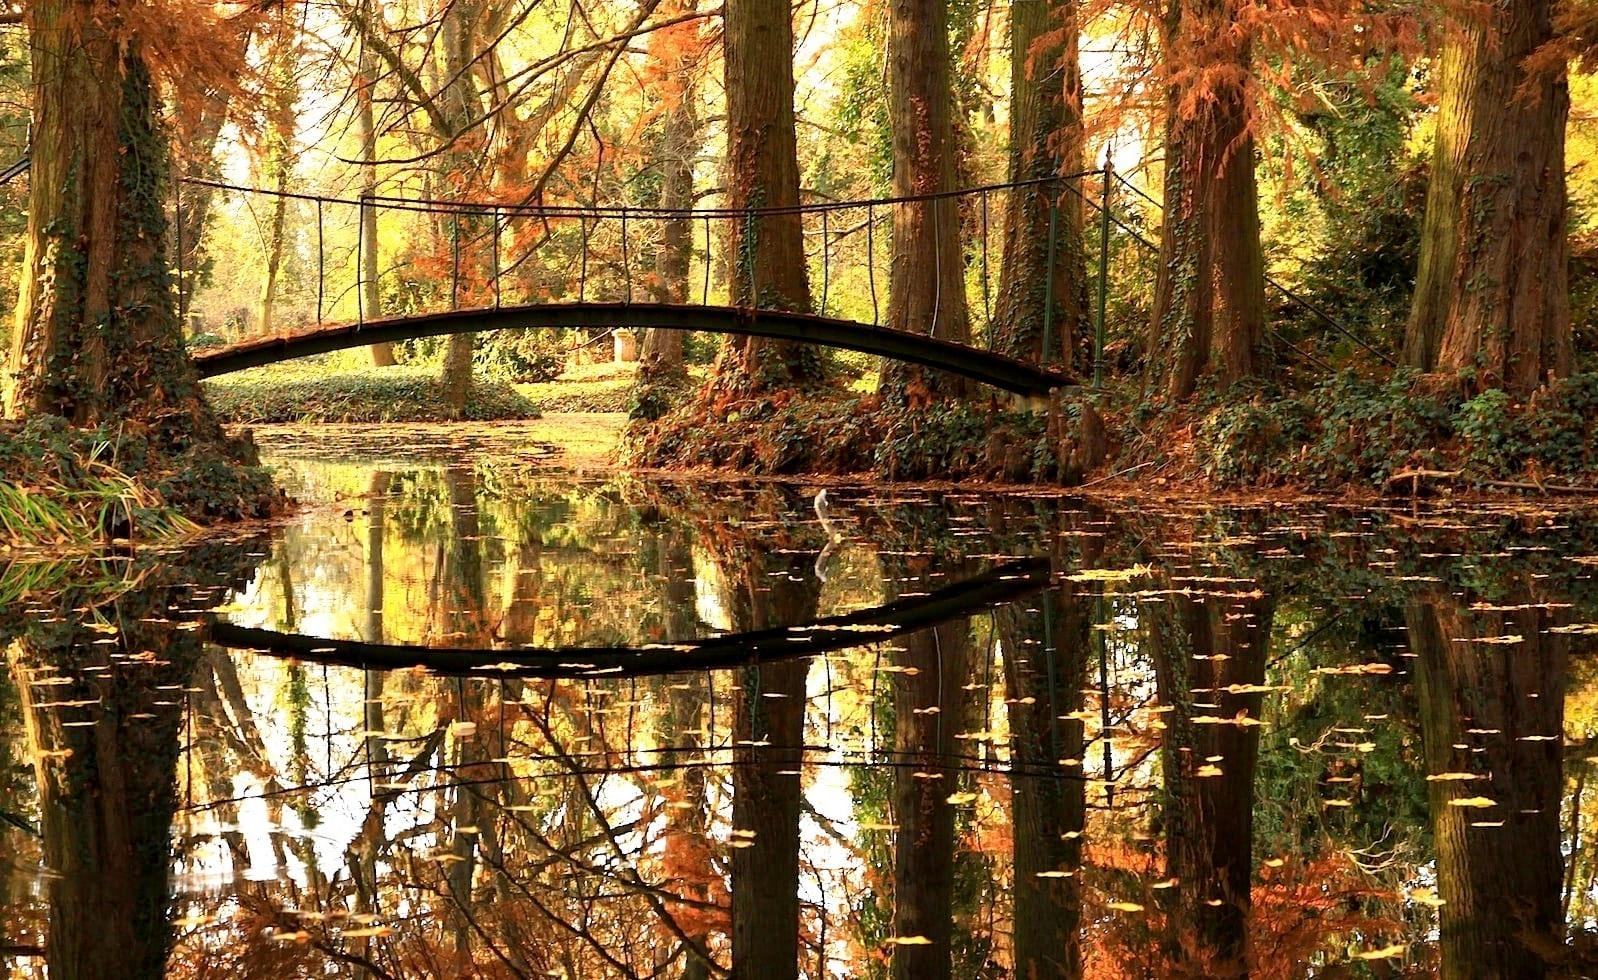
1496, 710
765, 251
1200, 650
1209, 299
382, 355
678, 146
926, 279
1491, 295
96, 334
1046, 140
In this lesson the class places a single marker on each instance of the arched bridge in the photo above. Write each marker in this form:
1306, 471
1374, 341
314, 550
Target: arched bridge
469, 267
1006, 373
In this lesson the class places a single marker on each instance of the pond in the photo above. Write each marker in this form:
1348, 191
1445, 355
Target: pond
480, 717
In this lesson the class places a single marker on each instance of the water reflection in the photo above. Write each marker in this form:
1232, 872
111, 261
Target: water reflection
663, 742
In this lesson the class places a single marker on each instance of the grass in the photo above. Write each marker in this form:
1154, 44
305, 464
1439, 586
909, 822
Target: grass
61, 495
602, 387
300, 393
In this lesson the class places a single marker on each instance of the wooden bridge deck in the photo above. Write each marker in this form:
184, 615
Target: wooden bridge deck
1005, 373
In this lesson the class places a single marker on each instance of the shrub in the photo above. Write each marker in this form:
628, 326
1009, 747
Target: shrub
393, 394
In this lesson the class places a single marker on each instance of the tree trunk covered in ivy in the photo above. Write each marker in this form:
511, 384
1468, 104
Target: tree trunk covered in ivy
767, 253
97, 334
926, 281
1209, 299
1491, 296
1495, 710
1046, 140
1200, 650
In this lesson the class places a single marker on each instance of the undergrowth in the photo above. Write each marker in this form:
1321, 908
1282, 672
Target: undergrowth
68, 487
1350, 430
293, 393
846, 433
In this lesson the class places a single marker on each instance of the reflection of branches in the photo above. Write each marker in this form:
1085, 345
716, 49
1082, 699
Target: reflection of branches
578, 777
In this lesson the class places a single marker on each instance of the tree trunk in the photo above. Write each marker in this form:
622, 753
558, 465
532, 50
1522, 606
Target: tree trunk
1046, 140
97, 334
366, 129
926, 280
460, 102
679, 145
1209, 299
1200, 650
1497, 711
1491, 295
765, 252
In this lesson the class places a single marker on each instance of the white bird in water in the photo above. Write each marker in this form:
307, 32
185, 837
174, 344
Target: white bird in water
822, 507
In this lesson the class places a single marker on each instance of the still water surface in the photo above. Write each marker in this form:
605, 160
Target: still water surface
486, 722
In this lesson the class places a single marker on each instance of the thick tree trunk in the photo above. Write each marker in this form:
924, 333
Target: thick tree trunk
1200, 650
97, 334
766, 252
926, 280
1045, 666
1209, 300
1495, 710
1046, 140
1491, 296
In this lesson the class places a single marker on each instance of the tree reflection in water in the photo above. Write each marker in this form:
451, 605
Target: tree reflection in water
1217, 744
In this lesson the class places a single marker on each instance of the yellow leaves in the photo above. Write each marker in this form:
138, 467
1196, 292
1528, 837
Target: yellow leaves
960, 799
1207, 770
1473, 802
908, 941
1385, 953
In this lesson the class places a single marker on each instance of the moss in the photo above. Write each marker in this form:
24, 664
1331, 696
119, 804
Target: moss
295, 393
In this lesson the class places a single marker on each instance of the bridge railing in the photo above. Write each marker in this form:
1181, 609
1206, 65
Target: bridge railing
436, 256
